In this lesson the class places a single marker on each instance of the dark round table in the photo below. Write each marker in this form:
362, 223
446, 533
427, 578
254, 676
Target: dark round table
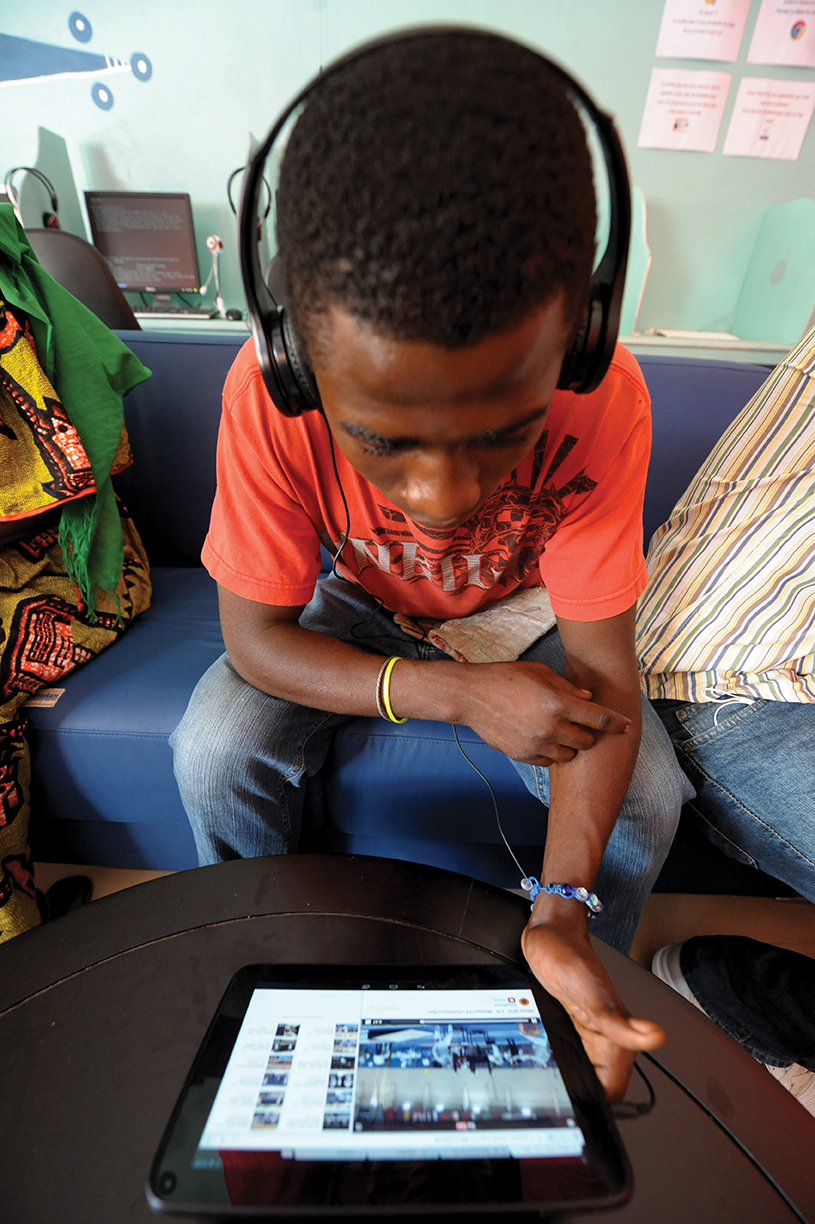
102, 1011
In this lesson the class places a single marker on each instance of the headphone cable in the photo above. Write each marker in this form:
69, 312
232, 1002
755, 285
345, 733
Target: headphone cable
494, 801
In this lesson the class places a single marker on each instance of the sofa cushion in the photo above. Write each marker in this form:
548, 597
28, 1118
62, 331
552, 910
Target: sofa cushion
101, 764
172, 422
101, 761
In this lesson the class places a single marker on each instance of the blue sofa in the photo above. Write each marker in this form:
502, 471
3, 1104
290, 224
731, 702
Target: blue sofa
104, 787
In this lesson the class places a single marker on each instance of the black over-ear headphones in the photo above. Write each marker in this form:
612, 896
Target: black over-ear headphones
49, 220
286, 373
231, 180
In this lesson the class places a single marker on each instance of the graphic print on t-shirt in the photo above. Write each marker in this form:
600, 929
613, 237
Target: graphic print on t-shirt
502, 542
568, 517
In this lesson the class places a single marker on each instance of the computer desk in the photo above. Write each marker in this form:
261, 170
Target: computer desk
752, 351
202, 327
639, 345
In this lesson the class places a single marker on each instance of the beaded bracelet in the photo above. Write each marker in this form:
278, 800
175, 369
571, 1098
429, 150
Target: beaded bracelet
383, 691
589, 899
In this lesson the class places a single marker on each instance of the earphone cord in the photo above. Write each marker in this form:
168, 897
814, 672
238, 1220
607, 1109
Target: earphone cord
334, 571
494, 801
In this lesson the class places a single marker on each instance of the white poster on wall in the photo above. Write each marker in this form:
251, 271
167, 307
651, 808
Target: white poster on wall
683, 110
770, 118
784, 34
702, 29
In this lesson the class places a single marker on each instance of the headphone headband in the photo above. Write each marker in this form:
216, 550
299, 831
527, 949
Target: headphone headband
231, 180
14, 196
288, 378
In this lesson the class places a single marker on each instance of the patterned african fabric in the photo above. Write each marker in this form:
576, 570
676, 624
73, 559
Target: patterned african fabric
91, 370
19, 908
729, 609
46, 633
42, 459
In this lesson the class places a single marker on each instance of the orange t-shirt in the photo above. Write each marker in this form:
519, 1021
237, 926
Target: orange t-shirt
568, 517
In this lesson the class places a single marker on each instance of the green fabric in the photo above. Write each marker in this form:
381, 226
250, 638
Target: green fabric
91, 370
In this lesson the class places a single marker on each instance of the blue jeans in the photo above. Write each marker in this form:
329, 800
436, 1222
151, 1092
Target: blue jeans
754, 774
243, 759
764, 997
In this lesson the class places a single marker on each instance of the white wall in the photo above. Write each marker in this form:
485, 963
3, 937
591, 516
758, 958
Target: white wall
223, 68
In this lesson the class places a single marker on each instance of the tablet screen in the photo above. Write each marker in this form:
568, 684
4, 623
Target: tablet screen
322, 1088
396, 1074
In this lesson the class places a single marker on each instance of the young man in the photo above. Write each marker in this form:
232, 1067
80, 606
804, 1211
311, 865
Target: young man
436, 224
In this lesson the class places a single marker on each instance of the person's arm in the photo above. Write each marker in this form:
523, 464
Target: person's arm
586, 794
526, 710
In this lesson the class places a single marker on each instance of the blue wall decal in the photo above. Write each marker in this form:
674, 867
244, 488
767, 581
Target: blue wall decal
80, 27
141, 67
102, 96
22, 59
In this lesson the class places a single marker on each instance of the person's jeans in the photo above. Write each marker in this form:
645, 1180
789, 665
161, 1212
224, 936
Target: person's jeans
753, 768
243, 759
764, 997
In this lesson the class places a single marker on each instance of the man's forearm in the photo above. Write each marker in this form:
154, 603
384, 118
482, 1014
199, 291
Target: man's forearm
587, 792
586, 795
524, 709
316, 670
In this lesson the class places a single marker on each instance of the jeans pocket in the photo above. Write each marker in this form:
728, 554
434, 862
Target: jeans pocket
720, 839
703, 721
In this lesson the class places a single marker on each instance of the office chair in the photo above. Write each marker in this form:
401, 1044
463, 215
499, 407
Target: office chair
79, 268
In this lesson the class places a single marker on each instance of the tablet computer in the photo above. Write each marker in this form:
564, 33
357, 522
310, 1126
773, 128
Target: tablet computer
324, 1090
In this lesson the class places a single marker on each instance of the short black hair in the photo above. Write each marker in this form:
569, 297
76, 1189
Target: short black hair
439, 189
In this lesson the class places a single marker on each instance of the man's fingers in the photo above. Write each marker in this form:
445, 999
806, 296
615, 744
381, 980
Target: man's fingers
597, 717
613, 1070
628, 1031
611, 1043
566, 965
562, 685
567, 735
603, 1014
551, 753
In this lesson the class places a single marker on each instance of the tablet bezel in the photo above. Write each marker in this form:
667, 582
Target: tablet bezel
606, 1156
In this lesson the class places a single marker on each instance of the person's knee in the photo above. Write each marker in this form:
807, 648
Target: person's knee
213, 737
658, 788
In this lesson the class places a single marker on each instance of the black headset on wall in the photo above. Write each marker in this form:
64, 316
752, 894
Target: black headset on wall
231, 180
287, 374
49, 219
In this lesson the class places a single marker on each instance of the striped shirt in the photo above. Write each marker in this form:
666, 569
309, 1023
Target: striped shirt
730, 604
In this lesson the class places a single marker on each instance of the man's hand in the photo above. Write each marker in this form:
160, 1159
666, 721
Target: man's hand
563, 961
530, 713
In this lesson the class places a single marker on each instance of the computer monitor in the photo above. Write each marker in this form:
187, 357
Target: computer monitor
147, 238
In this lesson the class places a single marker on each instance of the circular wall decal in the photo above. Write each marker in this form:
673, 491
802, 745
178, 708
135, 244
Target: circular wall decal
80, 27
102, 96
140, 66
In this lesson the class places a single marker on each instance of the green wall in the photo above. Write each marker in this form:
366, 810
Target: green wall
223, 68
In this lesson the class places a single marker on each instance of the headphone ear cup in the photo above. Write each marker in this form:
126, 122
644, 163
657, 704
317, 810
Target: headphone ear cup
300, 369
587, 356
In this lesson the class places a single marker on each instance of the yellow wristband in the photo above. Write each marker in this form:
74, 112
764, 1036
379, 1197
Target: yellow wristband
386, 690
